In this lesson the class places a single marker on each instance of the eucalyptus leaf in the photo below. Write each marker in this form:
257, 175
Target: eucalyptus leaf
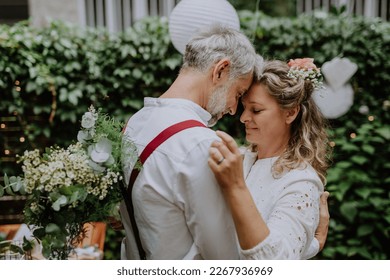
61, 201
51, 228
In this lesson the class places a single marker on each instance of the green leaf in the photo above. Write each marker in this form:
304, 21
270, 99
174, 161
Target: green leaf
368, 149
8, 187
27, 244
344, 164
350, 147
377, 201
16, 249
74, 96
387, 218
359, 159
39, 232
364, 230
16, 183
31, 86
384, 132
137, 73
6, 180
364, 193
349, 210
61, 201
51, 228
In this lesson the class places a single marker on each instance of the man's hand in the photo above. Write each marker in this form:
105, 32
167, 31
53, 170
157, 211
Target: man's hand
323, 225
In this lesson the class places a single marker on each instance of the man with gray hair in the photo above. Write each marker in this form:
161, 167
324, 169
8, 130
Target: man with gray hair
178, 206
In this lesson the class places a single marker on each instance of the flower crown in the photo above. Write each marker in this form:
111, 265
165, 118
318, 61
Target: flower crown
306, 69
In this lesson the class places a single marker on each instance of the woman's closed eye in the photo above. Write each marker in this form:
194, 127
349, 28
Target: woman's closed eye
256, 111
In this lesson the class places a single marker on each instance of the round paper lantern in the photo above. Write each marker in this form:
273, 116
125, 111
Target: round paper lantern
190, 15
334, 103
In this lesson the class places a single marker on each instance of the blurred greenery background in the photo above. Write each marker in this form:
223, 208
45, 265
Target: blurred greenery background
50, 76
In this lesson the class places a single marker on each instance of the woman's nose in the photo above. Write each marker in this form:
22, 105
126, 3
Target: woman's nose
244, 117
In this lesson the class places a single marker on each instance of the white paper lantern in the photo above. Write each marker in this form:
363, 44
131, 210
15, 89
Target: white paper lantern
338, 71
334, 103
190, 15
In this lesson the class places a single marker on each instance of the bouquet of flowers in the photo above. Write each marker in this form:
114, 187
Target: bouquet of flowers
66, 188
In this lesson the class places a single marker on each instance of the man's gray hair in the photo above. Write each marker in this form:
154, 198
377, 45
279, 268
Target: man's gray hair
217, 42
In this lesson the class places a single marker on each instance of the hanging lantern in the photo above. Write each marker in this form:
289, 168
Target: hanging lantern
338, 71
334, 103
190, 15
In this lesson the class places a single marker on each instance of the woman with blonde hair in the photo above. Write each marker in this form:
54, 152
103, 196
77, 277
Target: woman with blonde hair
273, 191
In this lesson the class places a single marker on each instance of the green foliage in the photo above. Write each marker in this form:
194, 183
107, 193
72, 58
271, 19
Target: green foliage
63, 69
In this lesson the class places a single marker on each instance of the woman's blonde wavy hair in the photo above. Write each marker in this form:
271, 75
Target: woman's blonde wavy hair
309, 140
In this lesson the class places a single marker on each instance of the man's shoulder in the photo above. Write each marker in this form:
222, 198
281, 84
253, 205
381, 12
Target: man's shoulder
191, 138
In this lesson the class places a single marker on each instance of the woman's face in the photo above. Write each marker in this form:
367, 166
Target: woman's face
266, 124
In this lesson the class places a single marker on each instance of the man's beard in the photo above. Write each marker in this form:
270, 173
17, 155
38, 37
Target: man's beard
217, 104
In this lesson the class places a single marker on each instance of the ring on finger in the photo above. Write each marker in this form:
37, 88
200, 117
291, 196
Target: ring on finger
220, 161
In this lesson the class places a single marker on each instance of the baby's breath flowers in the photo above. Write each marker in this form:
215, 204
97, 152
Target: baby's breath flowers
69, 187
304, 68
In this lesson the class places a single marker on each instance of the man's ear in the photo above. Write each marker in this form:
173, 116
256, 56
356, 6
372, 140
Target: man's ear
221, 71
291, 114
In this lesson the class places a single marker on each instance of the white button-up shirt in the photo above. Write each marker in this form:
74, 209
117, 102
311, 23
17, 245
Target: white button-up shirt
178, 205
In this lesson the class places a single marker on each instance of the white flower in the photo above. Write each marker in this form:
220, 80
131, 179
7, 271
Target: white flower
83, 136
96, 167
101, 151
88, 120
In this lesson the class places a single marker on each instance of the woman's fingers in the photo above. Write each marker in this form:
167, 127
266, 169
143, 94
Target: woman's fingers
229, 142
215, 153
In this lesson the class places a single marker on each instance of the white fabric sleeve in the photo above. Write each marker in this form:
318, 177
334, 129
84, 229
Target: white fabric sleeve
292, 223
313, 250
207, 215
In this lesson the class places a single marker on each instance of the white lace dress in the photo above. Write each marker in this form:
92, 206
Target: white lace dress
290, 207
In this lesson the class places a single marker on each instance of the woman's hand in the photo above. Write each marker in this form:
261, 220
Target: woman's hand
226, 162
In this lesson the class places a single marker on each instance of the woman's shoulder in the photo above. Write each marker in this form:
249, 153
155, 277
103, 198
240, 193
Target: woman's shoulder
305, 173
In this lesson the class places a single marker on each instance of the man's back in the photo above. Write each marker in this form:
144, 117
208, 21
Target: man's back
178, 205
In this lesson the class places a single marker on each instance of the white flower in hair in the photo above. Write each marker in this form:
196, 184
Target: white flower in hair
304, 68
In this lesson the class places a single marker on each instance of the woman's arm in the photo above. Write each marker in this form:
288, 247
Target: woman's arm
250, 226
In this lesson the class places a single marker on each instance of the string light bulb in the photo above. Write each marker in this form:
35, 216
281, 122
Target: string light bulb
353, 135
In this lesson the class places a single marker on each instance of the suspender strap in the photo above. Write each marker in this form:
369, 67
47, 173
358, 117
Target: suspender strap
157, 141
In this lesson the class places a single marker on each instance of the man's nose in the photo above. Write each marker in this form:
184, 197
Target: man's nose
233, 109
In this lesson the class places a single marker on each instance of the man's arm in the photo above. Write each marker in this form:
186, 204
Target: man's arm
323, 225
